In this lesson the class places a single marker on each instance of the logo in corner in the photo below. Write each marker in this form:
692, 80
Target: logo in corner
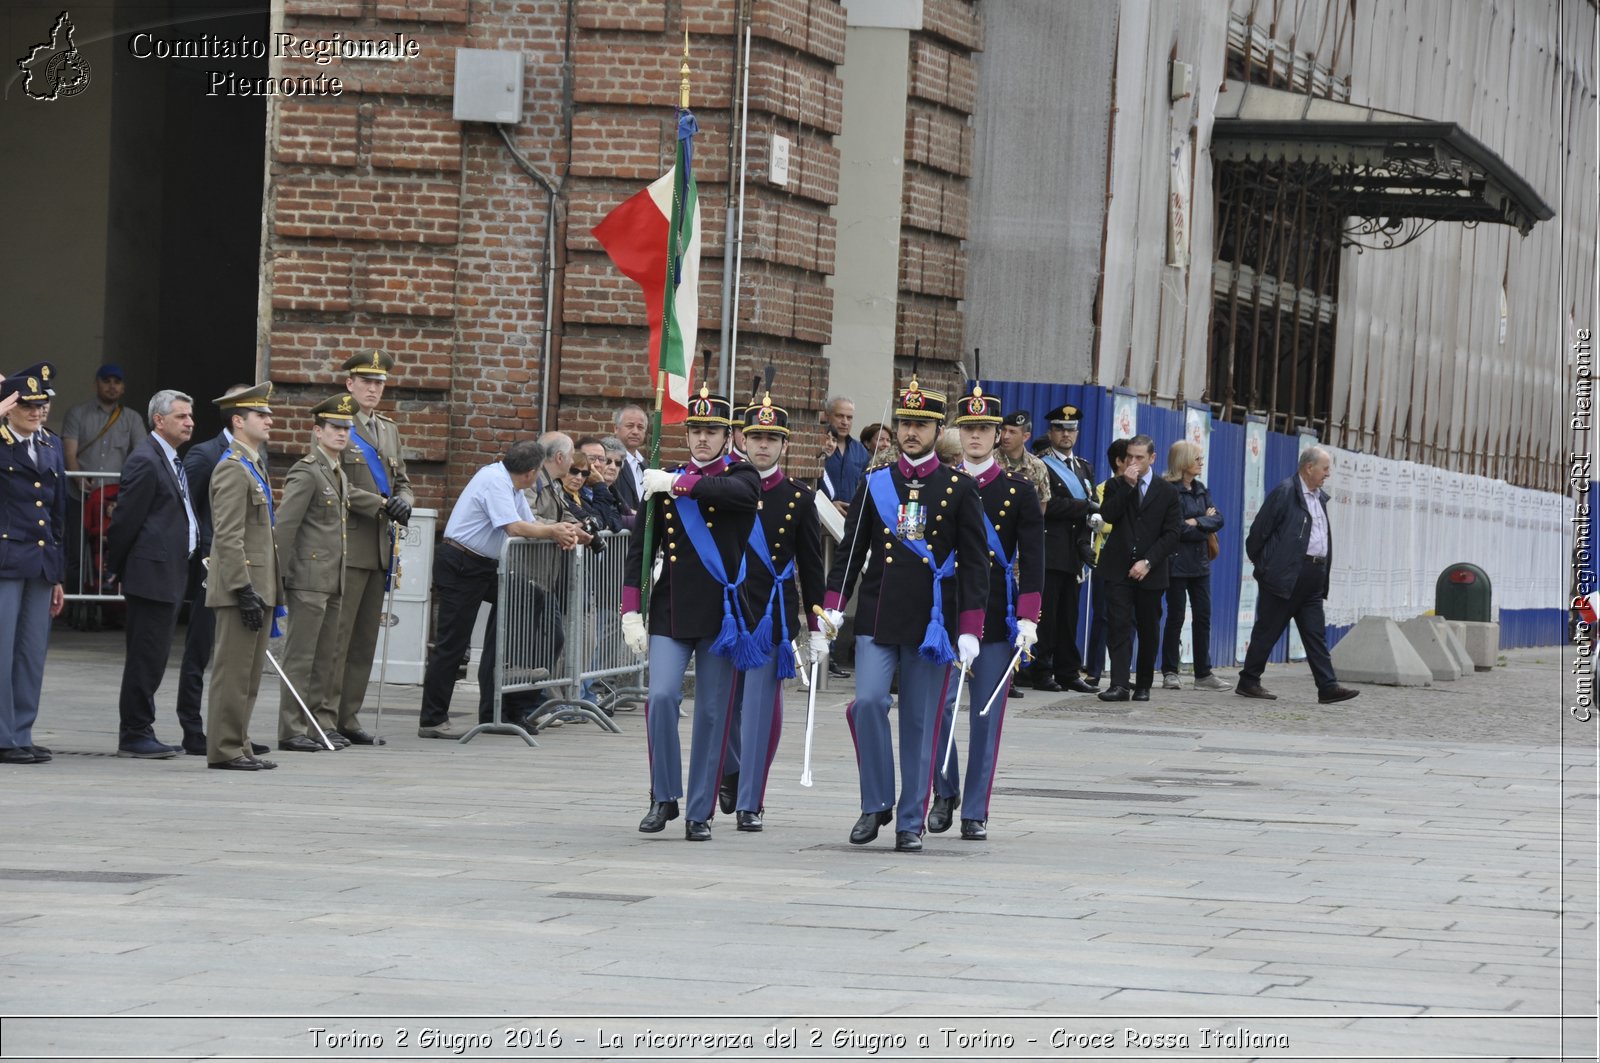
55, 69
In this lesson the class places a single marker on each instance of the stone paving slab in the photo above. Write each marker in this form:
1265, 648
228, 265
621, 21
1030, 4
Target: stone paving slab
1280, 866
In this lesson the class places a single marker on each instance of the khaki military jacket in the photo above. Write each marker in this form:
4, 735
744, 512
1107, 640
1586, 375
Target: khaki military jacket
242, 546
369, 527
312, 524
1030, 468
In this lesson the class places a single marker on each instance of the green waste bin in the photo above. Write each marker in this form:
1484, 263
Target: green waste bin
1463, 592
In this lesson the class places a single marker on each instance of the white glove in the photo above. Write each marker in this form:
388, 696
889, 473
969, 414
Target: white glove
835, 621
634, 634
1096, 522
658, 482
967, 649
1027, 636
819, 645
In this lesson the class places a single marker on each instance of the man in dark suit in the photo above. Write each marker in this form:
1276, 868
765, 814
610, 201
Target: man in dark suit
1058, 665
153, 535
633, 428
198, 463
1291, 546
1146, 519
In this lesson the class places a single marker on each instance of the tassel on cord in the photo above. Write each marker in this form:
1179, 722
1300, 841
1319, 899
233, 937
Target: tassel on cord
785, 654
936, 643
754, 648
727, 641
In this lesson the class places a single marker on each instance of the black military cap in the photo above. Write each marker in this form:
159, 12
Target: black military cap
977, 408
709, 411
1063, 416
766, 418
1018, 419
918, 404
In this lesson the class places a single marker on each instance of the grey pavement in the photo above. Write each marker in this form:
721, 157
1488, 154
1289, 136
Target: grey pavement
1412, 872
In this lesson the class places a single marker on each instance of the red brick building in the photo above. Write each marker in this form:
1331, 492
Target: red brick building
390, 224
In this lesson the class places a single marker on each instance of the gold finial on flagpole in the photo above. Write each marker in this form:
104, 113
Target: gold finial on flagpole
683, 73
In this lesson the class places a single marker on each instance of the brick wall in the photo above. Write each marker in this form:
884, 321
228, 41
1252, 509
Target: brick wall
391, 225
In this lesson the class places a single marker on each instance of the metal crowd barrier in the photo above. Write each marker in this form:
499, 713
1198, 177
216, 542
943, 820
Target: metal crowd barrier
90, 592
558, 631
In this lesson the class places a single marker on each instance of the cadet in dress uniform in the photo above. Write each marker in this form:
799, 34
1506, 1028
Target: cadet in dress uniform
1067, 549
380, 497
786, 541
923, 593
704, 528
33, 520
242, 581
316, 499
1015, 534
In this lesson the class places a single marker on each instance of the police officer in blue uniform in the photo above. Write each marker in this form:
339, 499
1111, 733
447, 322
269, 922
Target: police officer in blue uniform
1015, 535
923, 596
785, 543
33, 521
706, 513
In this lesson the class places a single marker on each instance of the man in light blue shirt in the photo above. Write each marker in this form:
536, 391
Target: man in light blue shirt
466, 572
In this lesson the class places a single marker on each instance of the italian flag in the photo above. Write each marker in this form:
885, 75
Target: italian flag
654, 239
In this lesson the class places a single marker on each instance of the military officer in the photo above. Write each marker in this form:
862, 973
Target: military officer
33, 518
705, 520
316, 501
923, 595
380, 498
1067, 549
786, 542
1014, 455
242, 580
1015, 532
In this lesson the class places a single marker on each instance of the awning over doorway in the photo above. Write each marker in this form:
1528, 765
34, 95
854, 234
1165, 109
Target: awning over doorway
1384, 166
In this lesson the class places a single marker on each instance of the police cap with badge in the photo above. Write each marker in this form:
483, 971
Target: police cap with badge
978, 408
918, 404
1064, 416
765, 417
32, 385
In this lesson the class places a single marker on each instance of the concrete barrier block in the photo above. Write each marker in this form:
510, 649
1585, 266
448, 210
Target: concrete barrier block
1483, 643
1376, 651
1428, 635
1453, 636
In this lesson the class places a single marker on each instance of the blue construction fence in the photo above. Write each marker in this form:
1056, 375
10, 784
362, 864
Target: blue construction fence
1225, 479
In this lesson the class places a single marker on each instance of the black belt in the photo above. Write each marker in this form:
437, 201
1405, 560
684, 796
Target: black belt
469, 551
1310, 560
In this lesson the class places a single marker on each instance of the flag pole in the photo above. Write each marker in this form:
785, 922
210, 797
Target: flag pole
650, 503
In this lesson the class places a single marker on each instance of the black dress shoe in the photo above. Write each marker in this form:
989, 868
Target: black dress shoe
41, 754
256, 749
1046, 682
942, 812
696, 830
1013, 691
973, 830
237, 764
1246, 689
1080, 687
357, 737
907, 841
336, 740
728, 793
195, 751
836, 672
656, 819
20, 755
264, 764
300, 744
1141, 693
866, 827
1333, 694
1115, 694
750, 821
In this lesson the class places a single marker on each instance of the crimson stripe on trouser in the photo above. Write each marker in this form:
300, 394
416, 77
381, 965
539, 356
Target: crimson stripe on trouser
938, 720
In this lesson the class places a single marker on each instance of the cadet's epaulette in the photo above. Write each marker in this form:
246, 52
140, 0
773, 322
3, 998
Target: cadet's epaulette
5, 434
45, 435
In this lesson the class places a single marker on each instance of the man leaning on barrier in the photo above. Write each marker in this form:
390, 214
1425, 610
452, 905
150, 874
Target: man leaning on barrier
466, 573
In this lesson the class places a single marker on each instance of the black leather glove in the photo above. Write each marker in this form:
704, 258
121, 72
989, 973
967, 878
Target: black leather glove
252, 607
399, 510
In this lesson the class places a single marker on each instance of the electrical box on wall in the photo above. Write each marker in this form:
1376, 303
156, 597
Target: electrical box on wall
488, 86
778, 168
1182, 80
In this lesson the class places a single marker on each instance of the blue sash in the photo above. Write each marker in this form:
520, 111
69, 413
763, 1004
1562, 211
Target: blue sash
380, 476
272, 519
1010, 565
762, 635
1068, 476
936, 640
733, 641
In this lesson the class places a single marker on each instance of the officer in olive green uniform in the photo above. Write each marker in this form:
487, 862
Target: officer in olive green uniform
380, 498
242, 582
316, 497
